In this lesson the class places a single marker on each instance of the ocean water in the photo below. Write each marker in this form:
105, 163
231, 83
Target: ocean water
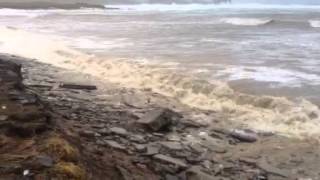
258, 49
224, 58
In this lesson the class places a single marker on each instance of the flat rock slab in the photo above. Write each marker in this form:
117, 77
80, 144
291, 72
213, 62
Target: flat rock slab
170, 160
171, 145
114, 145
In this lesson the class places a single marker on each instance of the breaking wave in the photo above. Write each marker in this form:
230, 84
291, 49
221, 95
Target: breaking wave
246, 21
198, 6
314, 23
277, 114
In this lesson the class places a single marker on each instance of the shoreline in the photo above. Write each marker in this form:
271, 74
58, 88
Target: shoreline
104, 125
260, 113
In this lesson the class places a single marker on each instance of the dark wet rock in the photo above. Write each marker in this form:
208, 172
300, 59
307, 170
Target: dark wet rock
192, 124
87, 133
159, 119
77, 86
175, 146
264, 165
244, 135
119, 131
152, 150
171, 177
195, 173
125, 174
197, 148
158, 134
24, 99
98, 126
137, 139
194, 159
140, 147
114, 145
104, 131
170, 160
42, 161
181, 154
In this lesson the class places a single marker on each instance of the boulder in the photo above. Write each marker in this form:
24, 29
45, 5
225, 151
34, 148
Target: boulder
159, 119
244, 135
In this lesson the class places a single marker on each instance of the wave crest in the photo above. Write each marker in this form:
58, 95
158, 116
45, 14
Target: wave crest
314, 23
246, 21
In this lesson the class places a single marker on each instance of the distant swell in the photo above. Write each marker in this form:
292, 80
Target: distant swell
246, 21
314, 23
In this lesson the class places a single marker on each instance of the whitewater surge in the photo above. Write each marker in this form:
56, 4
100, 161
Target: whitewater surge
298, 119
314, 23
246, 21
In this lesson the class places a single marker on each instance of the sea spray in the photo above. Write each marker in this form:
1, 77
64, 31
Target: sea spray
276, 114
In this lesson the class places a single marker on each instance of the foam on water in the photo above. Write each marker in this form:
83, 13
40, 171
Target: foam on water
299, 119
262, 74
246, 21
25, 13
314, 23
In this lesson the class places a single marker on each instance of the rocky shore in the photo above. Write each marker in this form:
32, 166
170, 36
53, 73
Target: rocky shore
58, 124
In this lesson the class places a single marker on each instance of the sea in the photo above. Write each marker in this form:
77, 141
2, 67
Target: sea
256, 49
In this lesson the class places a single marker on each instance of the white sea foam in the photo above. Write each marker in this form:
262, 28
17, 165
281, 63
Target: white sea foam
93, 44
24, 13
260, 73
314, 23
246, 21
42, 12
299, 119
